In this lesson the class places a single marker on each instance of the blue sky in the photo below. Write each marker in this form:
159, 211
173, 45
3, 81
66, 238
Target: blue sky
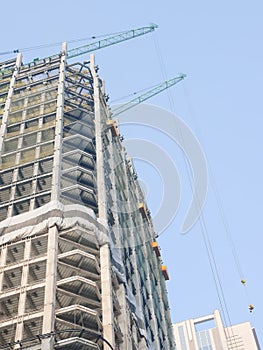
219, 46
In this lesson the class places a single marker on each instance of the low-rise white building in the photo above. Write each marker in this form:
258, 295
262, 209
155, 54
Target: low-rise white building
209, 333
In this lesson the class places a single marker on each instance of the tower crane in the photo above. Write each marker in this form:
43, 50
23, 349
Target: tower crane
112, 40
147, 95
97, 45
106, 42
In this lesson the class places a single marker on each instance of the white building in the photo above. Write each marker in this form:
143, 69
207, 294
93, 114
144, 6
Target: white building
209, 333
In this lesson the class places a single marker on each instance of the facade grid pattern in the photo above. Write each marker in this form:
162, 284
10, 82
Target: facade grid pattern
77, 264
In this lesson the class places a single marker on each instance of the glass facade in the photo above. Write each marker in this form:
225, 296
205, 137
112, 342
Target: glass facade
204, 340
182, 338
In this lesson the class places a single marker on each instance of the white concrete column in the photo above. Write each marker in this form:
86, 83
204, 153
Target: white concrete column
2, 264
106, 297
22, 298
221, 330
37, 155
102, 206
191, 333
8, 101
55, 192
50, 289
106, 283
6, 113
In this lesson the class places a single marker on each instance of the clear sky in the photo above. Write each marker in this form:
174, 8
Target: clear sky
219, 46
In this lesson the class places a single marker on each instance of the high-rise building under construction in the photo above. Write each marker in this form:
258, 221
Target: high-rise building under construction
79, 264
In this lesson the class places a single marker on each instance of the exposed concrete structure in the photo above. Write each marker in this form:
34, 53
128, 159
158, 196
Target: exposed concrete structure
209, 333
79, 264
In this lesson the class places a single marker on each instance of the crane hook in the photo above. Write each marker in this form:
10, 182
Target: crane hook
251, 307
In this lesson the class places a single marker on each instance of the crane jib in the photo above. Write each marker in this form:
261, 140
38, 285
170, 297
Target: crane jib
108, 41
148, 94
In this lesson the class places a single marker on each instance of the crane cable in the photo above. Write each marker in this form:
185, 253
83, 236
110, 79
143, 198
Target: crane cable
132, 94
207, 241
228, 233
222, 212
225, 225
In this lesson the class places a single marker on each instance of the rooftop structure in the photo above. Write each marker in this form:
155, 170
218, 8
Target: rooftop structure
79, 264
209, 333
